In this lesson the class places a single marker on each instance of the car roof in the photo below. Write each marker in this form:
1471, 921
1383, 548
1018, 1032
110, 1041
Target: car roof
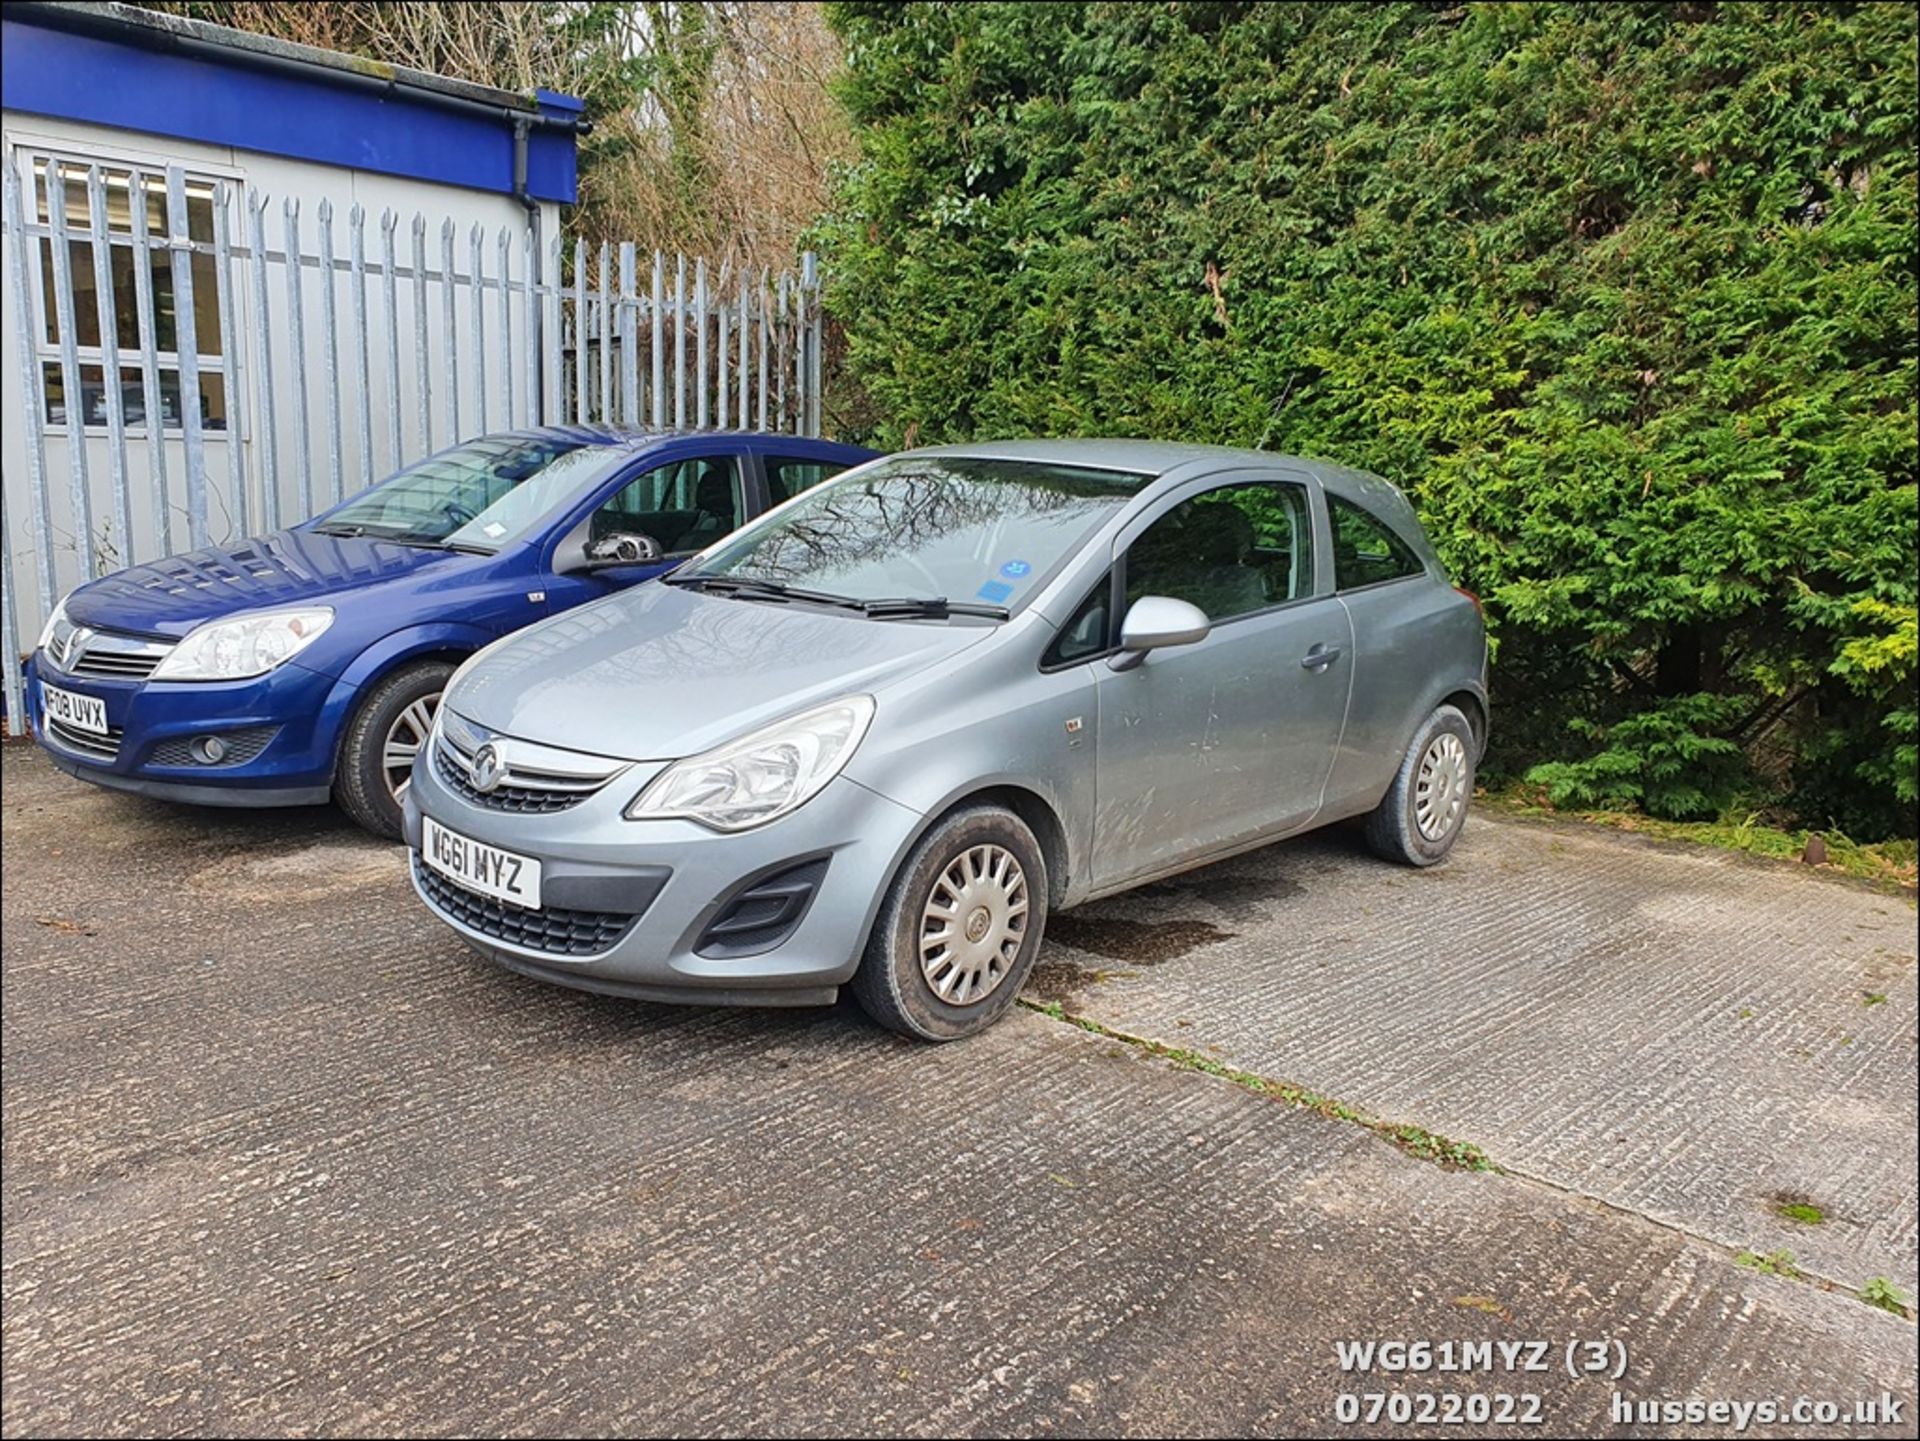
1172, 463
620, 437
1158, 458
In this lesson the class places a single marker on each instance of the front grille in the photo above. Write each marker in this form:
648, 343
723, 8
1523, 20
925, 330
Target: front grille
100, 747
242, 746
116, 665
524, 799
105, 655
552, 929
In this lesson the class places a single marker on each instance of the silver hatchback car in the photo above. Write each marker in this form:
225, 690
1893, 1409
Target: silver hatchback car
876, 736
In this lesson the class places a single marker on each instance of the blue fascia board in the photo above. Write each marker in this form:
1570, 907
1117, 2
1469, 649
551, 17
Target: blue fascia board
87, 78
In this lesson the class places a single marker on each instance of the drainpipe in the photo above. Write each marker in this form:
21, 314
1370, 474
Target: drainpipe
537, 310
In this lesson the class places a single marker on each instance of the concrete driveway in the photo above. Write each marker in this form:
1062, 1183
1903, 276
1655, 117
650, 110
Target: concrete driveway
280, 1157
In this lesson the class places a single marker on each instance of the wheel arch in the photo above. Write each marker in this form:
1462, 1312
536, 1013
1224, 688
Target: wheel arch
1473, 706
1024, 801
446, 641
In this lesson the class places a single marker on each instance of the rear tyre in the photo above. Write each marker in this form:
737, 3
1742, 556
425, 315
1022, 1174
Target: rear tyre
385, 734
959, 929
1420, 817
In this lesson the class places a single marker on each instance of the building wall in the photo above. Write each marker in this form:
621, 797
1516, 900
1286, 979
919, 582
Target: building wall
280, 180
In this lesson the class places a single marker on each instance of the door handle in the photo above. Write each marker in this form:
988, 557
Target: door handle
1320, 657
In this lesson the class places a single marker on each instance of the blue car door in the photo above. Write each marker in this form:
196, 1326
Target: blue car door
682, 502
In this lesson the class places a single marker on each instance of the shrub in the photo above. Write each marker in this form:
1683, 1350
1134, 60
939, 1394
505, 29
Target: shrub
1622, 295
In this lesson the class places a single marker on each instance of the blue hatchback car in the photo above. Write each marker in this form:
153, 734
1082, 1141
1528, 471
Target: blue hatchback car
308, 664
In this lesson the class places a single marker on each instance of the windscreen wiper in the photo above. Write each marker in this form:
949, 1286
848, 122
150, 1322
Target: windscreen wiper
760, 589
935, 607
929, 607
397, 537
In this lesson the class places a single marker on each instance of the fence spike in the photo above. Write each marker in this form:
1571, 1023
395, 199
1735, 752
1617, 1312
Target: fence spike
450, 333
297, 352
262, 328
478, 349
107, 318
362, 350
390, 288
33, 382
422, 367
227, 294
506, 327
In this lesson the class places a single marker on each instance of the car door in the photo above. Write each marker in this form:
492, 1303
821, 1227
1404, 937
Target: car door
682, 503
1209, 746
790, 470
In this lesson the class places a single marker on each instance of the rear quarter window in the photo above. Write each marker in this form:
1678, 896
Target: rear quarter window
1366, 550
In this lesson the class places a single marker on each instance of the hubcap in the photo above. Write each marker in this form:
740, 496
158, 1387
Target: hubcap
973, 924
405, 736
1440, 793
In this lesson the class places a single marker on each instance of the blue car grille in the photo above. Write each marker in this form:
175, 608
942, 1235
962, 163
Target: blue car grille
94, 747
553, 929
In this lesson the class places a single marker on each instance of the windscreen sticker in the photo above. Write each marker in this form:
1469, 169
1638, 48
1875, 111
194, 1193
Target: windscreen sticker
494, 529
1014, 569
994, 591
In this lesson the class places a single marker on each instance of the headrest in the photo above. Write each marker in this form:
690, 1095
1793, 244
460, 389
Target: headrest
1219, 533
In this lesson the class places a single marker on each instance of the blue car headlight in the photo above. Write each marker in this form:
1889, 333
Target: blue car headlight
761, 776
243, 646
57, 625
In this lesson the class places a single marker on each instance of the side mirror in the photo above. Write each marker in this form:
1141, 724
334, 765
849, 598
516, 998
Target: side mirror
622, 548
1154, 622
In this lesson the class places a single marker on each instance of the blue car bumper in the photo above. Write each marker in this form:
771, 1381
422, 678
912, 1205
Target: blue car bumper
276, 736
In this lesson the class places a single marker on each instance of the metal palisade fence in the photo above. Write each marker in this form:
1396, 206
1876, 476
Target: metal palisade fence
292, 359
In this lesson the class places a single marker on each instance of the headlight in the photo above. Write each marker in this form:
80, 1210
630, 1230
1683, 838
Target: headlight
761, 776
246, 645
54, 622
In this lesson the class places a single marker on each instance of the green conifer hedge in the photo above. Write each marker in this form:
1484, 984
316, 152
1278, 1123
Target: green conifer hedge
1622, 294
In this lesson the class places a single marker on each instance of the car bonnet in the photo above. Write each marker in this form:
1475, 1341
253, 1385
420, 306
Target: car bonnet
290, 567
657, 673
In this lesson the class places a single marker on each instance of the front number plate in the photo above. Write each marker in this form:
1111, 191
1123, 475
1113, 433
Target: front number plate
82, 712
483, 868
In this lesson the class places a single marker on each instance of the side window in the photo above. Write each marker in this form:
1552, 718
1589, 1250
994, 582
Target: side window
788, 476
685, 505
1236, 549
1087, 633
1365, 548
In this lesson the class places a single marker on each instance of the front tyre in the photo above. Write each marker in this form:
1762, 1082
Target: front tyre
387, 731
959, 929
1420, 817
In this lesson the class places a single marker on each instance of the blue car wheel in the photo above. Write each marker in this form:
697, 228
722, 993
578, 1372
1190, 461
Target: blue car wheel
387, 731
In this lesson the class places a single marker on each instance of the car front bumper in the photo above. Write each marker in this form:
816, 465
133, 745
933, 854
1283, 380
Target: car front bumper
675, 903
284, 723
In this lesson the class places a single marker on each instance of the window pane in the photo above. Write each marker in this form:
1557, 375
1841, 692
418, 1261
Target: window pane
967, 527
684, 506
1365, 549
213, 400
86, 311
1085, 635
787, 477
55, 382
486, 493
133, 398
1229, 551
